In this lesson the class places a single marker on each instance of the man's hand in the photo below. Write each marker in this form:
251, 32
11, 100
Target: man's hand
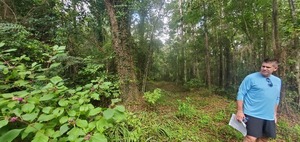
240, 115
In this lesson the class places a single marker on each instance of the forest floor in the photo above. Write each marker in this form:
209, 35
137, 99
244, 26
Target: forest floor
196, 115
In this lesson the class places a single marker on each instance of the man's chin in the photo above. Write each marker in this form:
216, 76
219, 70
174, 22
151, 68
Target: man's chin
264, 74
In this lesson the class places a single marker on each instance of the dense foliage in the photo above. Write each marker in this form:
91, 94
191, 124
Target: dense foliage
67, 65
36, 105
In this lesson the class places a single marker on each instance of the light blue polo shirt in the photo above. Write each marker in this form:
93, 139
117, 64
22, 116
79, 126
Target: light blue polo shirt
259, 98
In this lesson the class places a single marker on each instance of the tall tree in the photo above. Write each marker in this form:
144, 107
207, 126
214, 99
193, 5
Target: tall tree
120, 30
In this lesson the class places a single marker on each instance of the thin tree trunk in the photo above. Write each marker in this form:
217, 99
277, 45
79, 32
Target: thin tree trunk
207, 61
150, 51
298, 77
207, 49
183, 50
276, 46
265, 36
295, 52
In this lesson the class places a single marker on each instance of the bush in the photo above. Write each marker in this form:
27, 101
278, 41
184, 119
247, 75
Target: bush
194, 83
185, 109
36, 107
153, 97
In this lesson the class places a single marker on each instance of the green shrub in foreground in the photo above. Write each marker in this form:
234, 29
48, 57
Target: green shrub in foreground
40, 109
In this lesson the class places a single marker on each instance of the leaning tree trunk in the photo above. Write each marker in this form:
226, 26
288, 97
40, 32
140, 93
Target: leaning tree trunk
124, 60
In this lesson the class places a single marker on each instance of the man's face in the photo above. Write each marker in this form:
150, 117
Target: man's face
267, 69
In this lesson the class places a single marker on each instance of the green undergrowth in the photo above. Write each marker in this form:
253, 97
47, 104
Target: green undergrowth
195, 116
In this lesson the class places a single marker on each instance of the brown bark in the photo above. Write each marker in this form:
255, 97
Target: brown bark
207, 61
125, 65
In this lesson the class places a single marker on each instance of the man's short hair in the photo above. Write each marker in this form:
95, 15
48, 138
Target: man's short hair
269, 60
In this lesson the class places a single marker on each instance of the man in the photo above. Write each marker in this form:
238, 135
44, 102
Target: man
257, 102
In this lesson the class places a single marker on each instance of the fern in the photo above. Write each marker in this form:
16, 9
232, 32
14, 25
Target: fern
8, 27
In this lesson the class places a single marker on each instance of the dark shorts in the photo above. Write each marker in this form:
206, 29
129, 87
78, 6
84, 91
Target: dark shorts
258, 128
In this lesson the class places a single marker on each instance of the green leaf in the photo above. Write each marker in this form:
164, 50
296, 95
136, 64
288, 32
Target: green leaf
102, 125
49, 132
47, 109
56, 134
84, 108
41, 77
109, 113
23, 74
29, 116
119, 116
47, 97
44, 117
7, 95
17, 112
31, 128
21, 93
21, 83
64, 128
81, 101
58, 111
75, 133
63, 102
34, 64
12, 104
95, 111
81, 123
72, 113
63, 119
105, 85
34, 92
2, 66
95, 96
3, 123
78, 88
54, 65
27, 108
56, 79
3, 102
91, 126
10, 135
120, 108
40, 137
5, 71
2, 44
97, 137
10, 50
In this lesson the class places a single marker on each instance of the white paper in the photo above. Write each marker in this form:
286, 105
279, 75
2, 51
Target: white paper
240, 126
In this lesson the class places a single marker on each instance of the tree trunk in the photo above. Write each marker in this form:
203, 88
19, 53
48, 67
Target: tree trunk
295, 52
181, 30
125, 65
265, 35
276, 46
207, 49
207, 61
150, 51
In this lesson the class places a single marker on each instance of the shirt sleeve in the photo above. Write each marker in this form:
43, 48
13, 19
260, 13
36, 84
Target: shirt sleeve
243, 89
278, 95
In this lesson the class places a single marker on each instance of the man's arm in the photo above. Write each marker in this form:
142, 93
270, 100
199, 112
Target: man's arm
240, 113
275, 113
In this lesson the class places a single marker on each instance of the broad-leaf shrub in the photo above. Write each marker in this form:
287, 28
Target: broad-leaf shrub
185, 109
38, 108
153, 97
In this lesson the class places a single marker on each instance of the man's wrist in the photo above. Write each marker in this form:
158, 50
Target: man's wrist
240, 111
